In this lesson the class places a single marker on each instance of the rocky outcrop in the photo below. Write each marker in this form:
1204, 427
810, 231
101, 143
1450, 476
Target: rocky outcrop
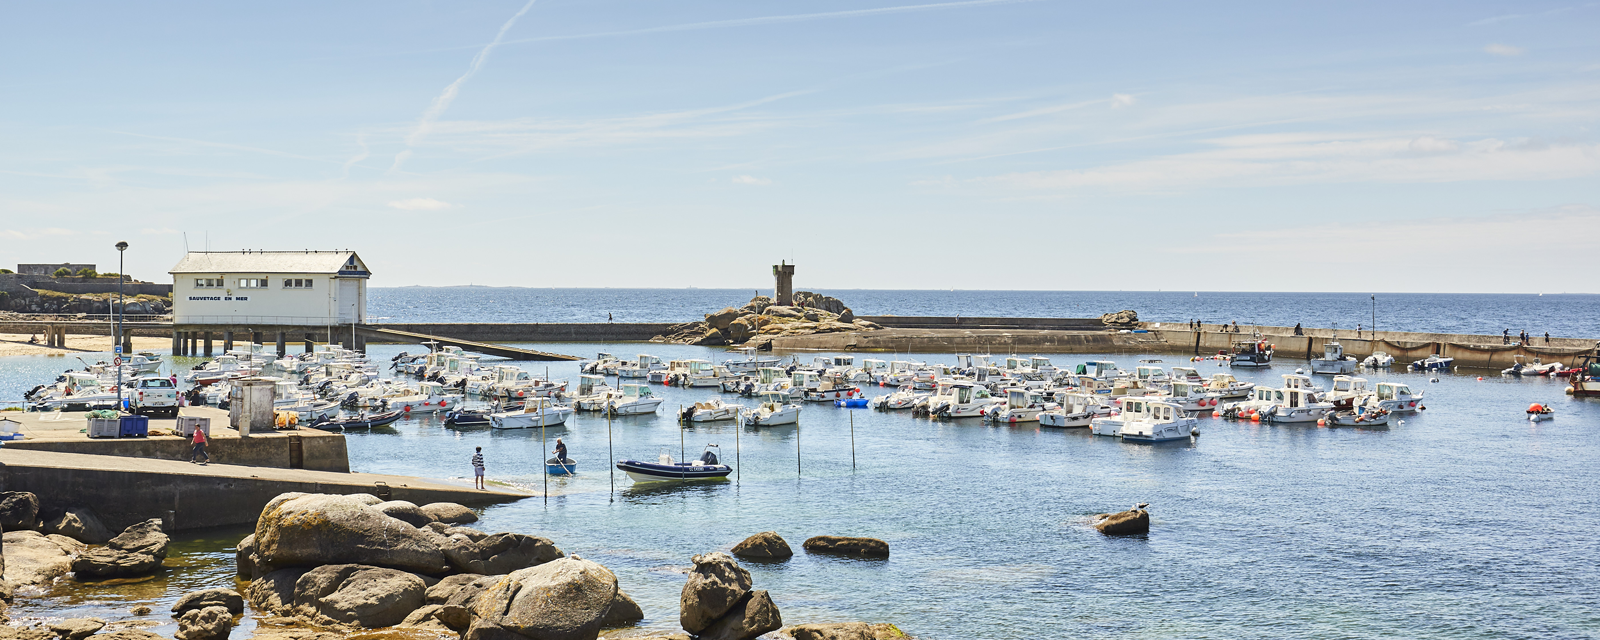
244, 555
847, 546
715, 585
562, 600
348, 595
208, 623
78, 523
405, 512
460, 589
767, 545
499, 553
1126, 523
439, 617
18, 510
758, 321
77, 628
225, 598
31, 559
754, 615
842, 631
137, 551
449, 513
623, 612
320, 529
1126, 318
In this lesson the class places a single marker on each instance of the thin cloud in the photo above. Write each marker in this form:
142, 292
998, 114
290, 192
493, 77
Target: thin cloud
421, 204
1541, 14
442, 102
360, 140
752, 180
766, 20
1504, 50
1120, 100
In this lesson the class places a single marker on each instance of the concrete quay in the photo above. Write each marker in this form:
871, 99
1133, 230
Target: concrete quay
123, 491
296, 449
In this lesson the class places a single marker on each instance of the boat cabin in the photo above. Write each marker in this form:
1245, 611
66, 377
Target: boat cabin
1267, 395
1295, 398
1187, 389
1349, 385
967, 393
648, 362
1393, 391
770, 375
1297, 381
636, 391
903, 366
1149, 373
1187, 373
807, 379
774, 398
588, 384
1332, 350
1221, 381
1099, 368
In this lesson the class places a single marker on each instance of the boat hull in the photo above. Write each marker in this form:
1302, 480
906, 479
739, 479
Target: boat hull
681, 472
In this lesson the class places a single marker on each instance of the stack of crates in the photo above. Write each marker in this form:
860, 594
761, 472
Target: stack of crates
134, 427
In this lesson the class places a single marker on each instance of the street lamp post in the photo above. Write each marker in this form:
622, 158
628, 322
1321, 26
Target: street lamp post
122, 247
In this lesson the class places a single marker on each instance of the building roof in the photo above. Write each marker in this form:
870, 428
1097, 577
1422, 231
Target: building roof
345, 263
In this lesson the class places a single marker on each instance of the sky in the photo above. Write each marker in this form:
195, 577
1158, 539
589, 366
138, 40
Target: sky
969, 144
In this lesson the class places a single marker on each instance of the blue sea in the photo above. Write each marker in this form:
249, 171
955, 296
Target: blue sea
1462, 521
1562, 315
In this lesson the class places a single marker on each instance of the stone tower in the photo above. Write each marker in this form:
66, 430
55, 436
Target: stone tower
785, 287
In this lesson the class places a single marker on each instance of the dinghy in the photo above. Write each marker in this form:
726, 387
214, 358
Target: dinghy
1539, 413
665, 470
558, 467
362, 421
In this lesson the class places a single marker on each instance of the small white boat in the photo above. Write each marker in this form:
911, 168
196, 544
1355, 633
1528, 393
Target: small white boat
1378, 360
1523, 368
1333, 360
1159, 422
1191, 396
1395, 397
711, 410
636, 399
750, 363
1434, 362
1225, 386
1539, 413
1359, 417
905, 398
1076, 410
961, 400
1298, 405
775, 409
539, 412
1022, 405
593, 393
430, 398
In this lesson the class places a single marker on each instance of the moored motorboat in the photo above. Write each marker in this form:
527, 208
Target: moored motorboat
467, 418
709, 411
1434, 362
1539, 413
1333, 360
538, 413
1253, 353
665, 470
361, 421
1358, 417
775, 409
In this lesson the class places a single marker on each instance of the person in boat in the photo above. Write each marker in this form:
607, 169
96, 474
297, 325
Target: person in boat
561, 452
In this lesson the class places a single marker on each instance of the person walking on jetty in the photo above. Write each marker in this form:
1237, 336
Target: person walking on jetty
477, 469
199, 448
1547, 337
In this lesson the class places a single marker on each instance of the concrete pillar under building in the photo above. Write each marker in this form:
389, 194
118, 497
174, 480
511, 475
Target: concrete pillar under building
177, 349
310, 344
255, 337
282, 350
361, 343
127, 340
227, 341
208, 344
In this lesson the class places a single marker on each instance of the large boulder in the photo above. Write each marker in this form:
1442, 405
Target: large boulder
715, 585
742, 329
756, 305
273, 592
847, 316
137, 551
499, 553
721, 319
449, 513
754, 615
1125, 523
208, 623
77, 628
320, 529
847, 546
818, 301
32, 559
461, 589
18, 510
767, 545
623, 612
784, 312
405, 512
244, 558
225, 598
1123, 318
561, 600
439, 617
356, 595
842, 631
78, 523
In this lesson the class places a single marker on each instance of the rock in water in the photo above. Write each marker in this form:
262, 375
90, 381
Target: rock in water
32, 559
208, 623
767, 545
319, 529
405, 512
244, 564
225, 598
842, 631
561, 600
352, 594
721, 319
754, 615
1126, 523
137, 551
716, 584
847, 546
449, 513
18, 510
623, 612
77, 628
79, 524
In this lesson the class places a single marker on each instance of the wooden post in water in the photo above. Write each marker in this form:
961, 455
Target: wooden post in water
738, 425
797, 449
611, 458
852, 441
544, 455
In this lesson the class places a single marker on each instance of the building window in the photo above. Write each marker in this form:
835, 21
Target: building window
252, 283
297, 283
208, 283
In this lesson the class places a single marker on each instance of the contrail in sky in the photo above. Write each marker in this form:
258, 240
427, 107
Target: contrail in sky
441, 103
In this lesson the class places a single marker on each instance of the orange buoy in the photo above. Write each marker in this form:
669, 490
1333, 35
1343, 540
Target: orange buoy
1535, 408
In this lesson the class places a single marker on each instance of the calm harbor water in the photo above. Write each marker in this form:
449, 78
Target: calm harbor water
1562, 315
1465, 521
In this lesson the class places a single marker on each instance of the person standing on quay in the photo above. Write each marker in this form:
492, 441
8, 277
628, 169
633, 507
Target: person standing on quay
477, 469
1505, 337
1547, 337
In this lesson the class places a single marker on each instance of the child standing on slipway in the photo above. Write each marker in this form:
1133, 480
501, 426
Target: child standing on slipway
477, 469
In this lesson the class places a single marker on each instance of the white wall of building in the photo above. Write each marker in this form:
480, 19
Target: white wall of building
274, 304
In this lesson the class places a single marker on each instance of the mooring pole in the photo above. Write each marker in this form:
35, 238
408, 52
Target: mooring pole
544, 455
611, 458
797, 449
852, 441
738, 425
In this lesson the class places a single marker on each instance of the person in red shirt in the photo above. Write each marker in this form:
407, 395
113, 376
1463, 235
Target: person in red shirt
199, 447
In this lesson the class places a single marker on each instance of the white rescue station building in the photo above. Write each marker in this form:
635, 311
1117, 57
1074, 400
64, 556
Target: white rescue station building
306, 288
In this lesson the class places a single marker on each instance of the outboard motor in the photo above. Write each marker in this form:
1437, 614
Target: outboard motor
708, 457
686, 414
29, 394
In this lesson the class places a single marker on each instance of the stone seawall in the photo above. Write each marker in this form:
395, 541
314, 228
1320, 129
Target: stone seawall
535, 332
320, 451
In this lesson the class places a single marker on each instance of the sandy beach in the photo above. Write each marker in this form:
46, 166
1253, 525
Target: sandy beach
16, 344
